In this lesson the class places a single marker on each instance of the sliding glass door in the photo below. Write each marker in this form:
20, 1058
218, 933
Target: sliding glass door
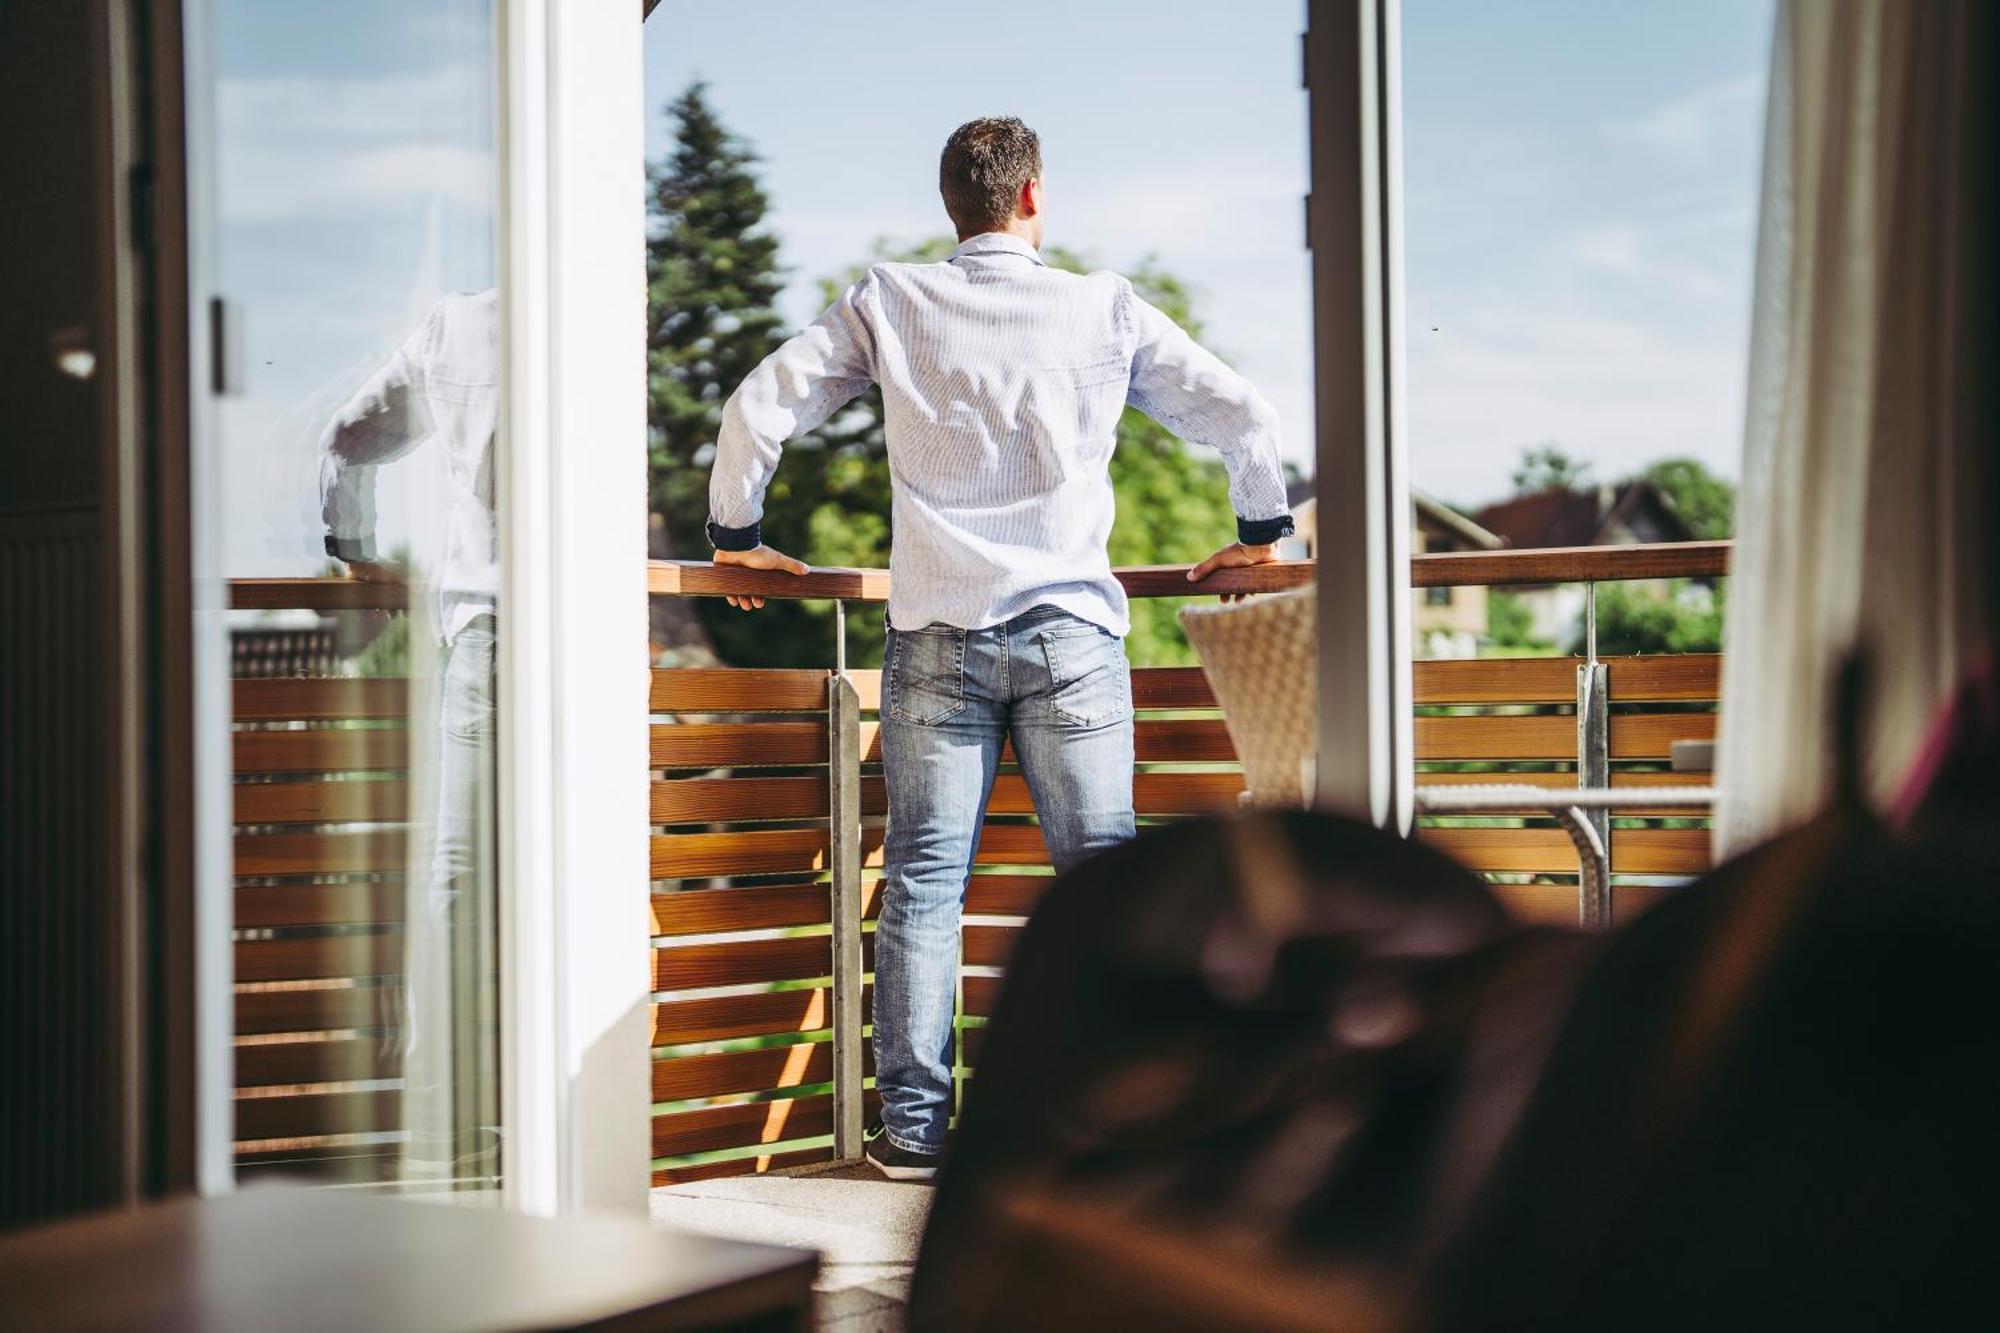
348, 405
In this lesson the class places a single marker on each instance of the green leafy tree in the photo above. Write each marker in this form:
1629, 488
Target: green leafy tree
1509, 622
713, 281
1642, 620
1548, 467
1705, 502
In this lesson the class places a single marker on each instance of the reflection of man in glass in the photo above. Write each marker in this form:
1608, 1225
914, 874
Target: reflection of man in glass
441, 385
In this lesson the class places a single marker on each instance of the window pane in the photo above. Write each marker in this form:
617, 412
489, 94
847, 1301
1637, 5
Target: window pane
348, 476
1580, 207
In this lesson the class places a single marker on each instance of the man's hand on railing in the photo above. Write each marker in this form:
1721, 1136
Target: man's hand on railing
1234, 556
376, 571
764, 557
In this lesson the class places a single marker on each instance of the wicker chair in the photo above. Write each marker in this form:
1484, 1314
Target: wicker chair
1259, 656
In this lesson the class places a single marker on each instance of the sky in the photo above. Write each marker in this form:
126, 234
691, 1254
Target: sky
1580, 200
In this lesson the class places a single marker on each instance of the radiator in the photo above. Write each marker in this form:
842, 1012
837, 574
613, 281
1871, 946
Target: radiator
58, 1145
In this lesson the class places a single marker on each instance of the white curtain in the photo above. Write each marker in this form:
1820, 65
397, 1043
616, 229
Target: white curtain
1861, 518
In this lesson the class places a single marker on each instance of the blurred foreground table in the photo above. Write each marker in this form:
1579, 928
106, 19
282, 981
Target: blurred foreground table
300, 1259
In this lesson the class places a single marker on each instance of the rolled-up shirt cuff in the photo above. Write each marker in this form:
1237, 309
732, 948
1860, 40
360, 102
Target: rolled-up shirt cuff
347, 550
735, 539
1263, 531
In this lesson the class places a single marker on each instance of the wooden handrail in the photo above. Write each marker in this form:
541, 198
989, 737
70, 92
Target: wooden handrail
1571, 564
318, 595
698, 578
1557, 564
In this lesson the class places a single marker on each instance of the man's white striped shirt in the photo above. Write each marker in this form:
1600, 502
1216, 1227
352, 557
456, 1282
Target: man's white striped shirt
1002, 382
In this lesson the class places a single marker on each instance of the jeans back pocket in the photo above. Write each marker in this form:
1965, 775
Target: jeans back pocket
1089, 682
926, 674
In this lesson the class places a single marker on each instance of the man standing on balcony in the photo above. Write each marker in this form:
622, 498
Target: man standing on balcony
1002, 382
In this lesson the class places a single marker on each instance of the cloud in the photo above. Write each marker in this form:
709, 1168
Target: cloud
1613, 390
305, 146
1693, 125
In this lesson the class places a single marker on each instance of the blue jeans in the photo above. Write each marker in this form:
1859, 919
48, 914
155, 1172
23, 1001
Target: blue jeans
1060, 687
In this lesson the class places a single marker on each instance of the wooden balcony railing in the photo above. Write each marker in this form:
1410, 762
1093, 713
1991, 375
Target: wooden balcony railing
766, 808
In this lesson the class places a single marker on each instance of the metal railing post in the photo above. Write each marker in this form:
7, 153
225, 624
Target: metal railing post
1593, 765
843, 731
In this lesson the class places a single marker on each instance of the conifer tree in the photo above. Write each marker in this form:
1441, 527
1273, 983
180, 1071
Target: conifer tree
713, 280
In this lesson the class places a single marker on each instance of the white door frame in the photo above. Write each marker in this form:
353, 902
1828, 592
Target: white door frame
574, 841
1354, 227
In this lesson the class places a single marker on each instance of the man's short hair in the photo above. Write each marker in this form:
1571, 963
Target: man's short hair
985, 164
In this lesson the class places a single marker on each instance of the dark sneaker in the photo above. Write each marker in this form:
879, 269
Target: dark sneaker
899, 1163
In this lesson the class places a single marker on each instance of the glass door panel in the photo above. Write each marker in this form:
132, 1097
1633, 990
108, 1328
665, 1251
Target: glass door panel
348, 270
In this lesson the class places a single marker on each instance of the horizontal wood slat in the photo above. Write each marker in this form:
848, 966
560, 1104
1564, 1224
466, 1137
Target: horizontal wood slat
1553, 737
322, 750
989, 946
378, 851
740, 962
1182, 740
725, 800
737, 690
1495, 680
385, 800
319, 956
271, 905
1643, 851
1689, 677
758, 907
1652, 735
1502, 680
747, 1165
718, 1127
304, 1114
743, 800
1171, 687
752, 852
783, 744
689, 801
345, 1060
1661, 851
679, 1078
318, 698
1665, 677
1485, 737
981, 994
1005, 895
1556, 904
320, 1009
699, 801
804, 850
738, 744
727, 1017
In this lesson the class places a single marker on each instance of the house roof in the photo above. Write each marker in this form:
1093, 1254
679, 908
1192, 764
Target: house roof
1441, 515
1587, 517
1425, 509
